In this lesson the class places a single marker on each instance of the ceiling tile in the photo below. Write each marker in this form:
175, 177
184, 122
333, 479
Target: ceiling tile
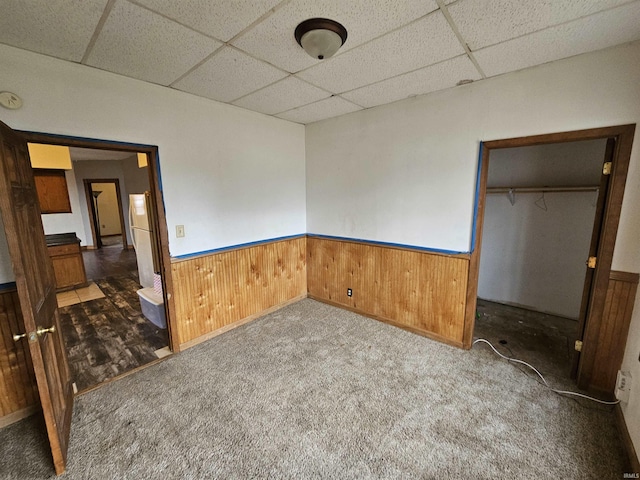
58, 28
436, 77
273, 40
221, 18
327, 108
422, 43
595, 32
228, 75
284, 95
487, 22
140, 44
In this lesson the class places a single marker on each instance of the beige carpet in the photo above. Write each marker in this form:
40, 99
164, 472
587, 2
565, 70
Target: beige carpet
312, 391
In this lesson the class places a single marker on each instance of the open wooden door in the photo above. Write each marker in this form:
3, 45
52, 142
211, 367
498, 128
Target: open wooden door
593, 253
35, 281
595, 343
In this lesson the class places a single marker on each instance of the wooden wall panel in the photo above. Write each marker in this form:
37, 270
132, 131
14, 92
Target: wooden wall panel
217, 290
423, 292
616, 318
18, 390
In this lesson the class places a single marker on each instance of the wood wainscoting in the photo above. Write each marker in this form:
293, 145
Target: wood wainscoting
18, 390
420, 291
614, 328
214, 291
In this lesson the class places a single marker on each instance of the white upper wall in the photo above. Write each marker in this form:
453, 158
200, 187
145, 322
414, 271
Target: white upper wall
406, 172
66, 222
230, 176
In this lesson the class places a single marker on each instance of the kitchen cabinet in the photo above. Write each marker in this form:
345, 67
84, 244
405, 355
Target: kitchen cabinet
66, 255
51, 187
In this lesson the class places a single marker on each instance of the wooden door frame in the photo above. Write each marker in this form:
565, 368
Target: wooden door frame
92, 213
155, 186
623, 134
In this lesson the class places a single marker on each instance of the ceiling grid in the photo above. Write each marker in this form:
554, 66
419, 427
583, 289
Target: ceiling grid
244, 52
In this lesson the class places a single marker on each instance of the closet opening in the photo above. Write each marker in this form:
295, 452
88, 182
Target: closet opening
541, 278
540, 211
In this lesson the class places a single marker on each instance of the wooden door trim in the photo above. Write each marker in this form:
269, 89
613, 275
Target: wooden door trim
156, 189
621, 157
624, 276
89, 195
97, 242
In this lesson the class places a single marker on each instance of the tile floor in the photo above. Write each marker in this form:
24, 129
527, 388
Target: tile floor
79, 295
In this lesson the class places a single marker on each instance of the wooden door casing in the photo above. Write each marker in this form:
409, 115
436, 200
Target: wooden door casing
35, 282
594, 328
151, 152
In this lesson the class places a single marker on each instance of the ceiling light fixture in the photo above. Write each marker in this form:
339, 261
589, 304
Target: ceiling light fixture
320, 37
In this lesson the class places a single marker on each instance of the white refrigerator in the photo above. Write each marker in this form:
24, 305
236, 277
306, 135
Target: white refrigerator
143, 236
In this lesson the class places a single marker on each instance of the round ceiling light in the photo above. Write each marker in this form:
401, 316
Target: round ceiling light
320, 37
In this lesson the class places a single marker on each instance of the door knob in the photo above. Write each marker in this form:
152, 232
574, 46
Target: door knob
19, 336
41, 331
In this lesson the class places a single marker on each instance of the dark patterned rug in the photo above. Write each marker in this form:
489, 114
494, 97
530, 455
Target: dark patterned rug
109, 336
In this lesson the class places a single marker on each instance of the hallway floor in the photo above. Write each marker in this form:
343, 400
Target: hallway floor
109, 261
109, 336
543, 340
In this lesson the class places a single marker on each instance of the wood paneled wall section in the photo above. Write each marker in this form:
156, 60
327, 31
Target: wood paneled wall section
18, 389
216, 290
422, 292
616, 318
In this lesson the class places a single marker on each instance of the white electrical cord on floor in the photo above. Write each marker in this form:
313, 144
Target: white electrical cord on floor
560, 392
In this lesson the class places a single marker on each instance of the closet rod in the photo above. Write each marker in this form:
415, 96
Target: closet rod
541, 189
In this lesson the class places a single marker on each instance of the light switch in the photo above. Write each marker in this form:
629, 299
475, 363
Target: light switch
179, 231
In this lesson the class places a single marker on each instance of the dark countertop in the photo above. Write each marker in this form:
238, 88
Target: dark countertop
61, 239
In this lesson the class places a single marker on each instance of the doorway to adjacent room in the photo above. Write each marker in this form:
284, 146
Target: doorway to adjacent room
104, 202
116, 322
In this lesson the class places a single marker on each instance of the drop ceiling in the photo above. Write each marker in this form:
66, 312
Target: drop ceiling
243, 52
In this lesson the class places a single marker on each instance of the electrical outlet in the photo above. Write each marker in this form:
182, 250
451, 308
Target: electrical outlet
623, 386
349, 292
179, 231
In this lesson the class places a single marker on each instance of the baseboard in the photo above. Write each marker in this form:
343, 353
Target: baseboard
634, 464
14, 417
231, 326
423, 333
88, 247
